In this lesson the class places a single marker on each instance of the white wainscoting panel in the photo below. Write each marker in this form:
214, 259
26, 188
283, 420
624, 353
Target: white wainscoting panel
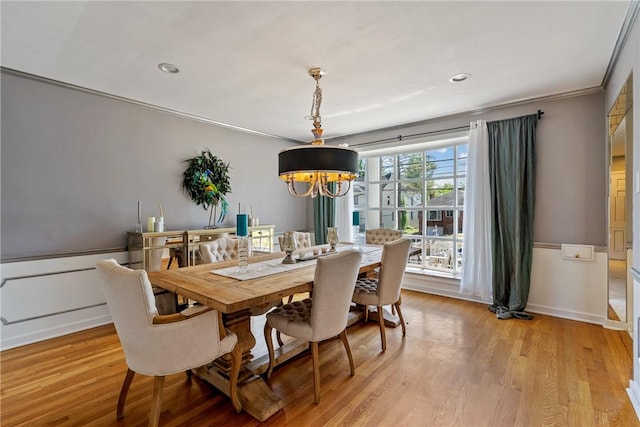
559, 287
42, 299
47, 298
567, 288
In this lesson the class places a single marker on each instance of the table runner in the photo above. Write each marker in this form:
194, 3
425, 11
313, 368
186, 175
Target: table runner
266, 268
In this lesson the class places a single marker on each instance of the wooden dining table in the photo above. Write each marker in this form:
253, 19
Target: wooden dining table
239, 300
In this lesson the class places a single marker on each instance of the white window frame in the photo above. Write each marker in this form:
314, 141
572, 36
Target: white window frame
428, 263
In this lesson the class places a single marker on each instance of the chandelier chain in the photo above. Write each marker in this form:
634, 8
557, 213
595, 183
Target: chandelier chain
315, 104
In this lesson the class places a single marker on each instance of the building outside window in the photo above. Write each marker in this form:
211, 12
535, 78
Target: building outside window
420, 192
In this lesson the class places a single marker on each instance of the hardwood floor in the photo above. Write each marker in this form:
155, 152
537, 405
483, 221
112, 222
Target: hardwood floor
458, 366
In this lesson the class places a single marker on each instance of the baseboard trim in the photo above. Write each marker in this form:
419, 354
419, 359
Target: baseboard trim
451, 291
634, 395
566, 314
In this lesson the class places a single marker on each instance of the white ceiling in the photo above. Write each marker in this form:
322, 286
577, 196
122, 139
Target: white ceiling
245, 63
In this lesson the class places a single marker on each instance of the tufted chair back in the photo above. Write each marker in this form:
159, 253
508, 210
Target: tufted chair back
221, 249
380, 236
302, 237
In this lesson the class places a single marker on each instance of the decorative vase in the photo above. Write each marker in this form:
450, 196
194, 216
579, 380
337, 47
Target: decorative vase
332, 238
289, 244
212, 217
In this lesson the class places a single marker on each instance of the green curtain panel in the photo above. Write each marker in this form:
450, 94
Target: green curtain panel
512, 164
324, 215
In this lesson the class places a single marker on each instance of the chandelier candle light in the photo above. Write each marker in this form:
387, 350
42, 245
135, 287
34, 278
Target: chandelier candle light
317, 164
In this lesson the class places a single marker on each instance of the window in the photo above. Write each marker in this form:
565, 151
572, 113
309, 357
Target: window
434, 216
420, 192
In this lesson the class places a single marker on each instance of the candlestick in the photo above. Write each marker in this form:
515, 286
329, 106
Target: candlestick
139, 223
244, 249
356, 230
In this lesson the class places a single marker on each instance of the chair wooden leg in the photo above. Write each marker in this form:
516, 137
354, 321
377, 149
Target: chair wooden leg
123, 393
345, 342
269, 341
316, 372
393, 311
279, 338
404, 328
188, 372
366, 313
383, 337
154, 415
236, 362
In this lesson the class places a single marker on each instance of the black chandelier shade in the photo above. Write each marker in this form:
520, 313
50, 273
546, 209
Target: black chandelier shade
300, 161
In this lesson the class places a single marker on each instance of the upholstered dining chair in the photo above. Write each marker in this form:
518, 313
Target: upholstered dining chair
380, 236
385, 289
160, 345
220, 249
322, 316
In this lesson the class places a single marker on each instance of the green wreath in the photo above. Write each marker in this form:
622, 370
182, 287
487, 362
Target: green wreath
206, 181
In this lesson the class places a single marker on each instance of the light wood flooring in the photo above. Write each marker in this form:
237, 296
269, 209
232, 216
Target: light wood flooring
458, 366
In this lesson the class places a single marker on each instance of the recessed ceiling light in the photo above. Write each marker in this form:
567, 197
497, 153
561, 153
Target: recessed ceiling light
457, 78
168, 68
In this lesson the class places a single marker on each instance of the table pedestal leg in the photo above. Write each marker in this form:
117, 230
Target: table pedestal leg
256, 397
390, 320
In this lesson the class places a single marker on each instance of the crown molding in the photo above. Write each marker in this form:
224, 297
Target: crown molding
625, 31
474, 112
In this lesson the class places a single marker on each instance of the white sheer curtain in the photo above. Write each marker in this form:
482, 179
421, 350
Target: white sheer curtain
476, 228
344, 207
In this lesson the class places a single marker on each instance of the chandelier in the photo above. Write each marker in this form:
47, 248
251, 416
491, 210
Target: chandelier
318, 165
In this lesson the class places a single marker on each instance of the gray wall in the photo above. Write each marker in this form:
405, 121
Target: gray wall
571, 164
75, 164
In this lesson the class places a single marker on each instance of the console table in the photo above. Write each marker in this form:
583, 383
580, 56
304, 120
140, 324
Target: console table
147, 249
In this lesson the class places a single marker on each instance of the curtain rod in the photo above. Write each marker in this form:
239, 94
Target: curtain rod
415, 135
